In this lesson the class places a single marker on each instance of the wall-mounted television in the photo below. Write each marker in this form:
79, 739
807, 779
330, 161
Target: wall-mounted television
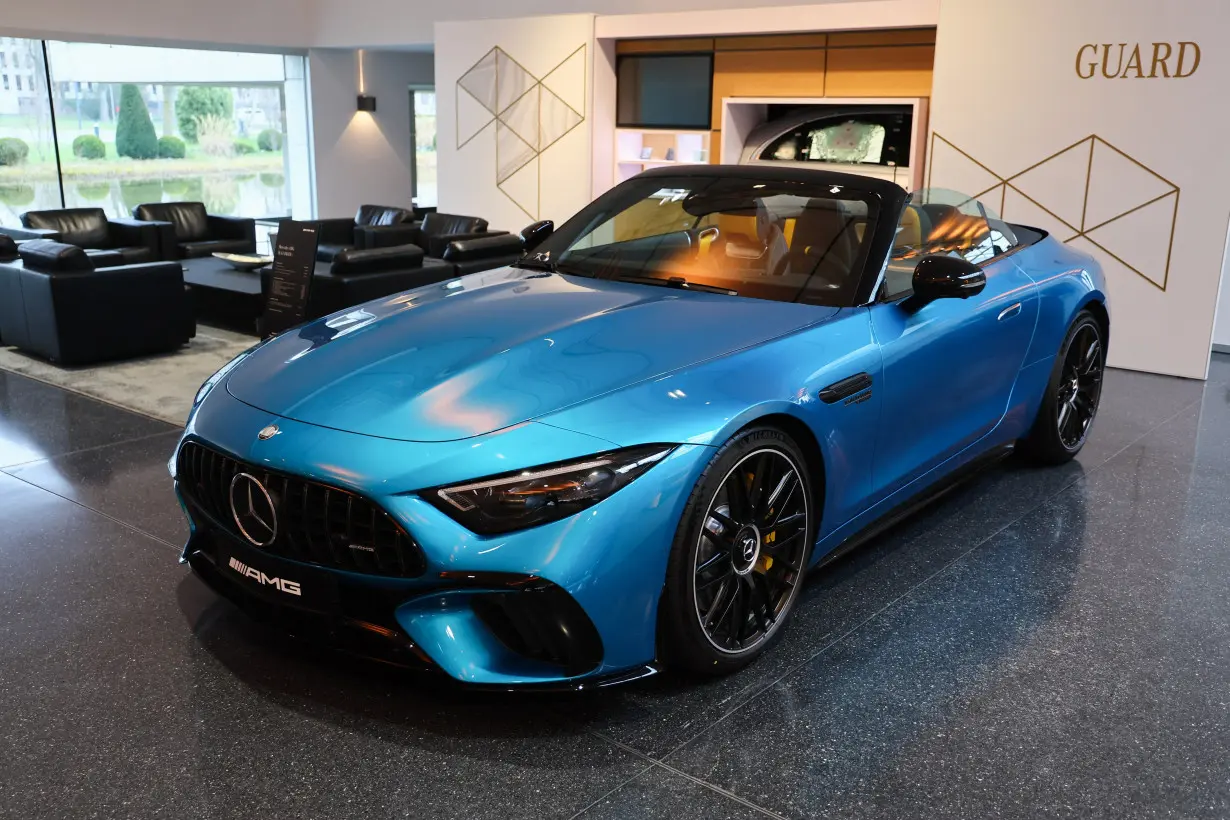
664, 91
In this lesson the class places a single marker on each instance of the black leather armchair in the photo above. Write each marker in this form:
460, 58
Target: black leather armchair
186, 231
357, 276
373, 226
54, 303
108, 242
437, 230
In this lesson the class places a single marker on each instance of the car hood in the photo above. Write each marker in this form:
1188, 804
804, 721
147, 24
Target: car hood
479, 354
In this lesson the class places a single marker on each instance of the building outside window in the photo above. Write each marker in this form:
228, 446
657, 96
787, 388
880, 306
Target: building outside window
220, 122
423, 136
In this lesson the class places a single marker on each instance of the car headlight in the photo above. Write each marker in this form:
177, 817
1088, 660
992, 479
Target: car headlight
514, 501
220, 375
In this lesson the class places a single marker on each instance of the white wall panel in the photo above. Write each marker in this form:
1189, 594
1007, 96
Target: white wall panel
1129, 168
514, 99
363, 157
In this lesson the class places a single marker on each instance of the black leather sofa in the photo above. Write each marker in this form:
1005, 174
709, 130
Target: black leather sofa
373, 226
56, 304
356, 276
186, 231
108, 242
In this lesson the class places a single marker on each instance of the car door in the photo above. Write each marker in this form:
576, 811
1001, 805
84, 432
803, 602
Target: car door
949, 365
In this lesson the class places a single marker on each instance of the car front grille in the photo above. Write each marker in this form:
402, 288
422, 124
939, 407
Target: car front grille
316, 524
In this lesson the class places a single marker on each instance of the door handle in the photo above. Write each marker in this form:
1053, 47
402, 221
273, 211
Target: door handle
1010, 311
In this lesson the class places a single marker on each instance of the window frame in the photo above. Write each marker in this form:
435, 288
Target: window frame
414, 145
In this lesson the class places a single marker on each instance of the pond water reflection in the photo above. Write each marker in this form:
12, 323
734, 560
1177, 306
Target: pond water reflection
248, 194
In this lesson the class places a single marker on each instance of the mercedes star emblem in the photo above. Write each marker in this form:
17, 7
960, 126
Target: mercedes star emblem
253, 510
269, 432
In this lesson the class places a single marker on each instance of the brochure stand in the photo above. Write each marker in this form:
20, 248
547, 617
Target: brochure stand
294, 261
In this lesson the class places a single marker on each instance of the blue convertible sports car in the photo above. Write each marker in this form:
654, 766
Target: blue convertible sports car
628, 449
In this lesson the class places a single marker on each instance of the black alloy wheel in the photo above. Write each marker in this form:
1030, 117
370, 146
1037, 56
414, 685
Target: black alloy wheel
1070, 403
749, 555
740, 556
1080, 387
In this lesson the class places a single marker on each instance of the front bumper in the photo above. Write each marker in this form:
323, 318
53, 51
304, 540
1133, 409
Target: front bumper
568, 604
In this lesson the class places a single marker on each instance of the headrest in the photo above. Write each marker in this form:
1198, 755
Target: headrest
437, 223
46, 255
485, 247
909, 232
189, 218
353, 261
375, 215
8, 247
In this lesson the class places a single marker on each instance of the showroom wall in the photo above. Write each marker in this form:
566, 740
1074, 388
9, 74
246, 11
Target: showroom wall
363, 157
513, 98
1117, 149
230, 23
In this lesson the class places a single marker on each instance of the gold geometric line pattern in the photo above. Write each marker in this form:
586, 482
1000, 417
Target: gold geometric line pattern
500, 114
1004, 183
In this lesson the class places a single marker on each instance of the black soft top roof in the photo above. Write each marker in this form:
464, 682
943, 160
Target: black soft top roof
889, 192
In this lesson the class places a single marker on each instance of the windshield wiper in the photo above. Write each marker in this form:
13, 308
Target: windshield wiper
677, 282
563, 266
530, 263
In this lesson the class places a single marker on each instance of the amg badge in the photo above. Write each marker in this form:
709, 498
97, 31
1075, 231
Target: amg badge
280, 584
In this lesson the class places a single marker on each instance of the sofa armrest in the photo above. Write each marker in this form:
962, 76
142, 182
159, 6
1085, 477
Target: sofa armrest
166, 244
371, 260
335, 230
486, 247
31, 233
128, 233
233, 227
437, 244
386, 236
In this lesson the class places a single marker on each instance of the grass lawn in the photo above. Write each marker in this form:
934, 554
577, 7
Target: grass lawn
124, 168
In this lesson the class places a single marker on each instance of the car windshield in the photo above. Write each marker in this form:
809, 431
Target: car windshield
760, 238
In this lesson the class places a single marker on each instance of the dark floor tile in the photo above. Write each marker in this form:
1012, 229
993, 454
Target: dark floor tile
1075, 665
662, 713
660, 793
128, 481
40, 421
130, 690
1133, 404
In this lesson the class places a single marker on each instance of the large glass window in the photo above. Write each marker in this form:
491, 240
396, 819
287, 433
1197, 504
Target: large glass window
28, 178
139, 124
423, 133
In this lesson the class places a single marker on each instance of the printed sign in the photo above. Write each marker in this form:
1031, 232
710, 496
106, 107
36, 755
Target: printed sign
294, 261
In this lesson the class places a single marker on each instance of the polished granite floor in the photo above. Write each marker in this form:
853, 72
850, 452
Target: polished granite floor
1040, 643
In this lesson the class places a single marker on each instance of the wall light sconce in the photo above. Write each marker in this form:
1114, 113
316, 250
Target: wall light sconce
366, 102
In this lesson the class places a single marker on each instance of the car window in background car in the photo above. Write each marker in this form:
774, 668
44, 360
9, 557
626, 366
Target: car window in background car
760, 238
862, 139
940, 221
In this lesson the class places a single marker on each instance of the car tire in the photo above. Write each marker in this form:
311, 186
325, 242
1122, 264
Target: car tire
738, 555
1073, 392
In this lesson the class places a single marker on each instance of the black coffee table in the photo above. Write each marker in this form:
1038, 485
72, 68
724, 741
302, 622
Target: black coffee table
224, 295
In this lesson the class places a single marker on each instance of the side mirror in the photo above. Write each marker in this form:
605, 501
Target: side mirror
947, 277
535, 234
